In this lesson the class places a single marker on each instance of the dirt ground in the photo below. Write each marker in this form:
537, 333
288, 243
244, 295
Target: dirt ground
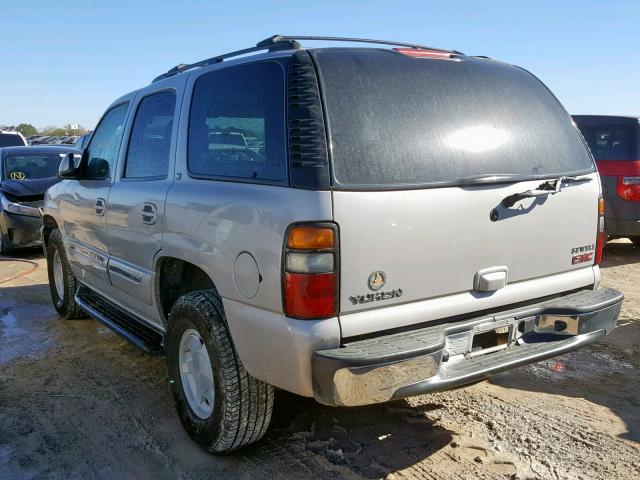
76, 401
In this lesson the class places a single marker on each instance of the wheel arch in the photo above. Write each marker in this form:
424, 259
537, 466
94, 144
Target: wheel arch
49, 224
176, 277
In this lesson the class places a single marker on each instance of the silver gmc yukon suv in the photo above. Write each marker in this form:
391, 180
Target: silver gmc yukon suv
354, 224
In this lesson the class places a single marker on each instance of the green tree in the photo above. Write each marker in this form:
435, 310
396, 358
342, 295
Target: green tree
53, 131
27, 129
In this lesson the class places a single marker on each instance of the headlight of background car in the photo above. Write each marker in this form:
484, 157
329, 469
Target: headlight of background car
18, 208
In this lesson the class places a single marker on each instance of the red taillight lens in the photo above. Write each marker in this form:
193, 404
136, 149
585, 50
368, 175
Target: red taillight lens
310, 295
600, 238
628, 188
309, 277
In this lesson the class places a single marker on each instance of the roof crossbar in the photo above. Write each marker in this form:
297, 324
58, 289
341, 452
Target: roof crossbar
288, 42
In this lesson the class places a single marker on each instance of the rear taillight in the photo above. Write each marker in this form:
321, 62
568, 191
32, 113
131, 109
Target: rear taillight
310, 277
600, 239
628, 188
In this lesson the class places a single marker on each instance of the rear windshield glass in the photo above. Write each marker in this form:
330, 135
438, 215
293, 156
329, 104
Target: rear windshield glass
11, 140
400, 121
612, 142
28, 167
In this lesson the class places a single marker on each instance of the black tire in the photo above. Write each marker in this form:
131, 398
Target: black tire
65, 305
243, 404
4, 244
635, 240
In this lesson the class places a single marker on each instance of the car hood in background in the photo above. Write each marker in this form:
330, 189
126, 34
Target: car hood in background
27, 188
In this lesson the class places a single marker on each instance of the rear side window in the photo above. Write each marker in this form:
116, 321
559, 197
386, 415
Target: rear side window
612, 142
399, 121
102, 152
237, 124
150, 140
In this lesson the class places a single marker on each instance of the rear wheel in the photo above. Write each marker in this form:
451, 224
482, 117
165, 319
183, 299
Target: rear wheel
220, 405
62, 282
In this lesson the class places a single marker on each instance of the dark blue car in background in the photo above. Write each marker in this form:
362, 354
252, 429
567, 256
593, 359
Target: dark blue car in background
25, 174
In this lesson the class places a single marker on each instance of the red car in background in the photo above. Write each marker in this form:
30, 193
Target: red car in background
615, 144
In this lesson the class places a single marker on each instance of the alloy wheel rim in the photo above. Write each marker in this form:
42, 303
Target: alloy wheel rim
58, 278
196, 374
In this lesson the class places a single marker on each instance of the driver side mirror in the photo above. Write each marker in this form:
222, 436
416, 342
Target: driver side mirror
70, 166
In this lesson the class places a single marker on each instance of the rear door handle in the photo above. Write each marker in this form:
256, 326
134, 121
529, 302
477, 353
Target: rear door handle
101, 207
149, 213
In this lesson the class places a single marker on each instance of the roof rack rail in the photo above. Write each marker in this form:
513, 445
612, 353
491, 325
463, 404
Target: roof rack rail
288, 42
280, 38
274, 46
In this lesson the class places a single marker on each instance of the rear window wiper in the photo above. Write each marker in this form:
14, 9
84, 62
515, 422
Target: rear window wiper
549, 187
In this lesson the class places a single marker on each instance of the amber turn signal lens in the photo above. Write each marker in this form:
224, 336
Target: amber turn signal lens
601, 206
310, 238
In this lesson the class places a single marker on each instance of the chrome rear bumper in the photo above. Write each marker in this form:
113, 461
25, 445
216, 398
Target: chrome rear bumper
442, 357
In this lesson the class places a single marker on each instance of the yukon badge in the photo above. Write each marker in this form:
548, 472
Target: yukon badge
377, 280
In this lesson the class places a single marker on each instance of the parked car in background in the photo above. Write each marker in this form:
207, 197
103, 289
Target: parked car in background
25, 174
12, 139
433, 223
615, 145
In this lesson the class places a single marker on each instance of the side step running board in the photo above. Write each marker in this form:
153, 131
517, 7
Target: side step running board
133, 330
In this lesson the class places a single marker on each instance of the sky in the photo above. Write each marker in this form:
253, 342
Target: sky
66, 61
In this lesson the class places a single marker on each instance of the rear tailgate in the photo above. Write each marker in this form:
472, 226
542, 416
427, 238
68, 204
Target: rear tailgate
420, 149
432, 242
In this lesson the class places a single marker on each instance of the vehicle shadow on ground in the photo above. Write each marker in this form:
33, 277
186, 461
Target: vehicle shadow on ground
31, 253
593, 374
370, 441
618, 253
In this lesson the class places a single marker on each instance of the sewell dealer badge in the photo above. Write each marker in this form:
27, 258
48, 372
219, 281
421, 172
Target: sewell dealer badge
582, 254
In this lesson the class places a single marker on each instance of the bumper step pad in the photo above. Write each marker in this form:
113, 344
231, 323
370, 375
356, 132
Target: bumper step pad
133, 330
439, 357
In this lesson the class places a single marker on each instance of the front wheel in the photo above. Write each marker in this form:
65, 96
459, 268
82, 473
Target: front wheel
220, 405
62, 282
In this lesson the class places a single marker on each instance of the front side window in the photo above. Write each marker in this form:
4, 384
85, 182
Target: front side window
150, 141
237, 125
102, 152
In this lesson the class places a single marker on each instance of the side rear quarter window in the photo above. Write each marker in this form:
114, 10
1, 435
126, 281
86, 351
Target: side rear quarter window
150, 140
102, 151
237, 124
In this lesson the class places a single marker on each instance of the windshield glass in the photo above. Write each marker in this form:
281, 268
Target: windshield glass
29, 167
401, 121
11, 140
612, 142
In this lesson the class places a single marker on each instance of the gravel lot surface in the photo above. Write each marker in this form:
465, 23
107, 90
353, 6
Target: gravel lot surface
77, 401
